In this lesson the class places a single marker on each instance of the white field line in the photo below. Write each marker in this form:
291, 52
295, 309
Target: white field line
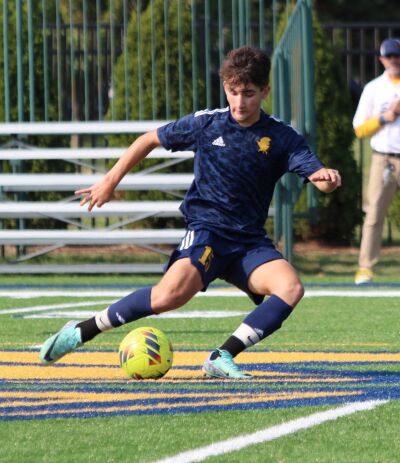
28, 294
268, 434
70, 293
83, 314
44, 308
53, 311
229, 292
352, 293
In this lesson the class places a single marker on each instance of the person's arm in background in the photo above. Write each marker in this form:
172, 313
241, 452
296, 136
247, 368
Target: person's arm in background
374, 123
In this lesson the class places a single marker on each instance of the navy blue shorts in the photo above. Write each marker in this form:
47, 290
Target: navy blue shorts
215, 257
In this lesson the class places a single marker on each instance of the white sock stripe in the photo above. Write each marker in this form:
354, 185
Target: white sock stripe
103, 321
247, 335
268, 434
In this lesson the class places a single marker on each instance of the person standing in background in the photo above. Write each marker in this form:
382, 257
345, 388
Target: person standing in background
377, 115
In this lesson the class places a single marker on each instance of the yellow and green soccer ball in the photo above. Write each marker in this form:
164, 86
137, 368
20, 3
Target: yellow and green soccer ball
146, 353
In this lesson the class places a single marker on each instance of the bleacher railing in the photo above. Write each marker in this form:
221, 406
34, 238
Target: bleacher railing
75, 60
293, 102
65, 60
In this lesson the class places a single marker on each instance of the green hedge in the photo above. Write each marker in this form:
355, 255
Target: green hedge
339, 213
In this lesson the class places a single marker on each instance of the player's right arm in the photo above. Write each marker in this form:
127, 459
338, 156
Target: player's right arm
101, 192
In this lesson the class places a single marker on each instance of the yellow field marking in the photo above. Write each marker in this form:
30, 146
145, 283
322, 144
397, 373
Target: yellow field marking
193, 358
337, 344
207, 401
98, 366
82, 396
20, 372
51, 373
90, 368
299, 357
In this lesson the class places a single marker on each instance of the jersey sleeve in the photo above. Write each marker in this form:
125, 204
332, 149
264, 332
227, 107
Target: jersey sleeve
301, 160
180, 135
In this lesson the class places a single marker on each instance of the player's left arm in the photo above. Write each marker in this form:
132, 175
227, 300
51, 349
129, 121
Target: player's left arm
326, 180
102, 191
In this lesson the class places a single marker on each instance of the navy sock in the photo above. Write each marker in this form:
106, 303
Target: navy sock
268, 316
89, 329
264, 320
233, 345
130, 308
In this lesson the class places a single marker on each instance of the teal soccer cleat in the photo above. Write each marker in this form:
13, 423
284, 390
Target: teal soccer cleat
61, 343
223, 366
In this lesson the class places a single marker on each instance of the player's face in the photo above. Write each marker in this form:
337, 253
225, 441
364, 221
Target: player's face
245, 102
392, 64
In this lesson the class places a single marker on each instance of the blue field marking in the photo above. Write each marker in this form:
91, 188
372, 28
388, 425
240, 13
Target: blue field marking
351, 285
95, 413
60, 365
212, 285
292, 385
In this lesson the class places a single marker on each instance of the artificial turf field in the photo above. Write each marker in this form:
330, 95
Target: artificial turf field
340, 348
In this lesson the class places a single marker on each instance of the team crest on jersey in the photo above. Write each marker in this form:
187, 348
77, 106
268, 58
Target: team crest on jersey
207, 257
263, 144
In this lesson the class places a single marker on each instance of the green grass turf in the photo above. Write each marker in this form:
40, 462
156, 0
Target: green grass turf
370, 436
367, 437
318, 324
132, 439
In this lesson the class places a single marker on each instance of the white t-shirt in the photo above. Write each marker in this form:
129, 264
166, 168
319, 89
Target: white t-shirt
376, 99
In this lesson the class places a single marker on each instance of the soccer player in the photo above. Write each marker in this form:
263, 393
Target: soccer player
240, 154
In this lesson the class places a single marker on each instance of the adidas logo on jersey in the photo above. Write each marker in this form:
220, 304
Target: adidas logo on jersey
219, 142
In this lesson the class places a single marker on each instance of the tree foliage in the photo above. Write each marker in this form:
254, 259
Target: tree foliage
339, 212
38, 165
156, 55
11, 50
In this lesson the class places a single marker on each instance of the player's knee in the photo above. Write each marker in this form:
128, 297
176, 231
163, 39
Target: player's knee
292, 292
297, 292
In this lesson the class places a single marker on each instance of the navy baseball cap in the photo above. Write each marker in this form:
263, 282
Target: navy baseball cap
390, 47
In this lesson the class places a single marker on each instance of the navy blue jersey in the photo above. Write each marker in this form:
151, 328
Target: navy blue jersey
235, 169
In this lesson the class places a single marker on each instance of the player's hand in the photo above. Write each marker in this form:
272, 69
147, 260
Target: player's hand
393, 112
96, 195
326, 180
395, 107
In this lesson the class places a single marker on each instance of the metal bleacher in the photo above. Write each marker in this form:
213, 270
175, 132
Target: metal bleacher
69, 210
70, 182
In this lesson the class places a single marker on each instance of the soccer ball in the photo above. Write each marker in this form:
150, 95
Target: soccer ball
145, 353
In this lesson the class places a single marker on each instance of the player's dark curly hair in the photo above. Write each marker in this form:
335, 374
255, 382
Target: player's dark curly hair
246, 65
